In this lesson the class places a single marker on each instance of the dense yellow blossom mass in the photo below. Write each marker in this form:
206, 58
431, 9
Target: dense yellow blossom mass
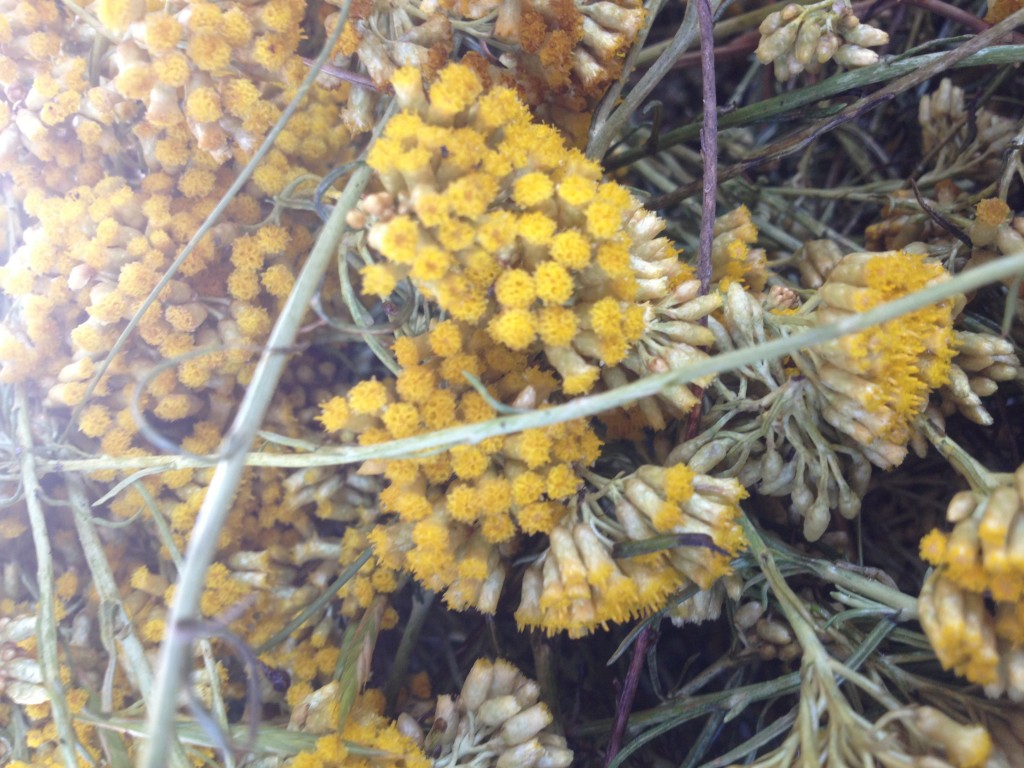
496, 270
510, 229
877, 381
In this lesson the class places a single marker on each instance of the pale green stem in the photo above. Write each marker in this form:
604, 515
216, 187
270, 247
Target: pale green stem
869, 588
652, 9
792, 606
228, 473
979, 478
46, 622
213, 513
604, 133
582, 407
134, 658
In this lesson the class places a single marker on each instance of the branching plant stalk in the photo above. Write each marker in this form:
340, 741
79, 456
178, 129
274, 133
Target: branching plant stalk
228, 473
590, 405
787, 104
800, 140
46, 618
980, 479
133, 654
603, 135
708, 144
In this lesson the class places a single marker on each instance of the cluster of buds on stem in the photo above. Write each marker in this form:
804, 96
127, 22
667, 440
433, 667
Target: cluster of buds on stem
497, 719
983, 360
806, 37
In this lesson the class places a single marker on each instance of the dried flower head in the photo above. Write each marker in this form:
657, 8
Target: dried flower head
874, 383
507, 228
971, 605
581, 583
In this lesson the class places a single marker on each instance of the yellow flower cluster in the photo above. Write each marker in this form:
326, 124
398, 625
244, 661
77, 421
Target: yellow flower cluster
452, 510
366, 727
509, 229
578, 585
732, 258
561, 56
874, 383
981, 559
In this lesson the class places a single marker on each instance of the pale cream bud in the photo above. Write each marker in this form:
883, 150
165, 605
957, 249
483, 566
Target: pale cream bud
855, 56
478, 682
807, 42
748, 614
776, 44
555, 757
963, 744
521, 756
506, 678
407, 726
526, 724
773, 632
496, 711
816, 519
865, 35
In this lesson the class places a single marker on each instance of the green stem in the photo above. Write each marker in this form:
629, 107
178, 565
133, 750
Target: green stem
134, 659
979, 478
582, 407
421, 605
788, 103
46, 622
228, 473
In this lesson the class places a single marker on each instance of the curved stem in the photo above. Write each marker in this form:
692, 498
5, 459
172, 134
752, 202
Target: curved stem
588, 405
228, 473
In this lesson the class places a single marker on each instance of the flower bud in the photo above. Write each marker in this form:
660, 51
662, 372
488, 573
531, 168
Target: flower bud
771, 23
827, 45
555, 757
407, 726
522, 756
773, 632
855, 56
776, 44
964, 745
526, 725
816, 519
807, 42
478, 682
748, 614
496, 711
865, 35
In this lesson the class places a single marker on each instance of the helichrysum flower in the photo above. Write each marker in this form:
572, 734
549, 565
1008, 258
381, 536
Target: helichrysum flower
450, 512
971, 605
579, 585
560, 57
732, 258
874, 383
507, 228
365, 726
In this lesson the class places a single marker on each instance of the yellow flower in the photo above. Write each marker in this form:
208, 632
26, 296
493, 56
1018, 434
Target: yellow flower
334, 414
877, 381
368, 397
